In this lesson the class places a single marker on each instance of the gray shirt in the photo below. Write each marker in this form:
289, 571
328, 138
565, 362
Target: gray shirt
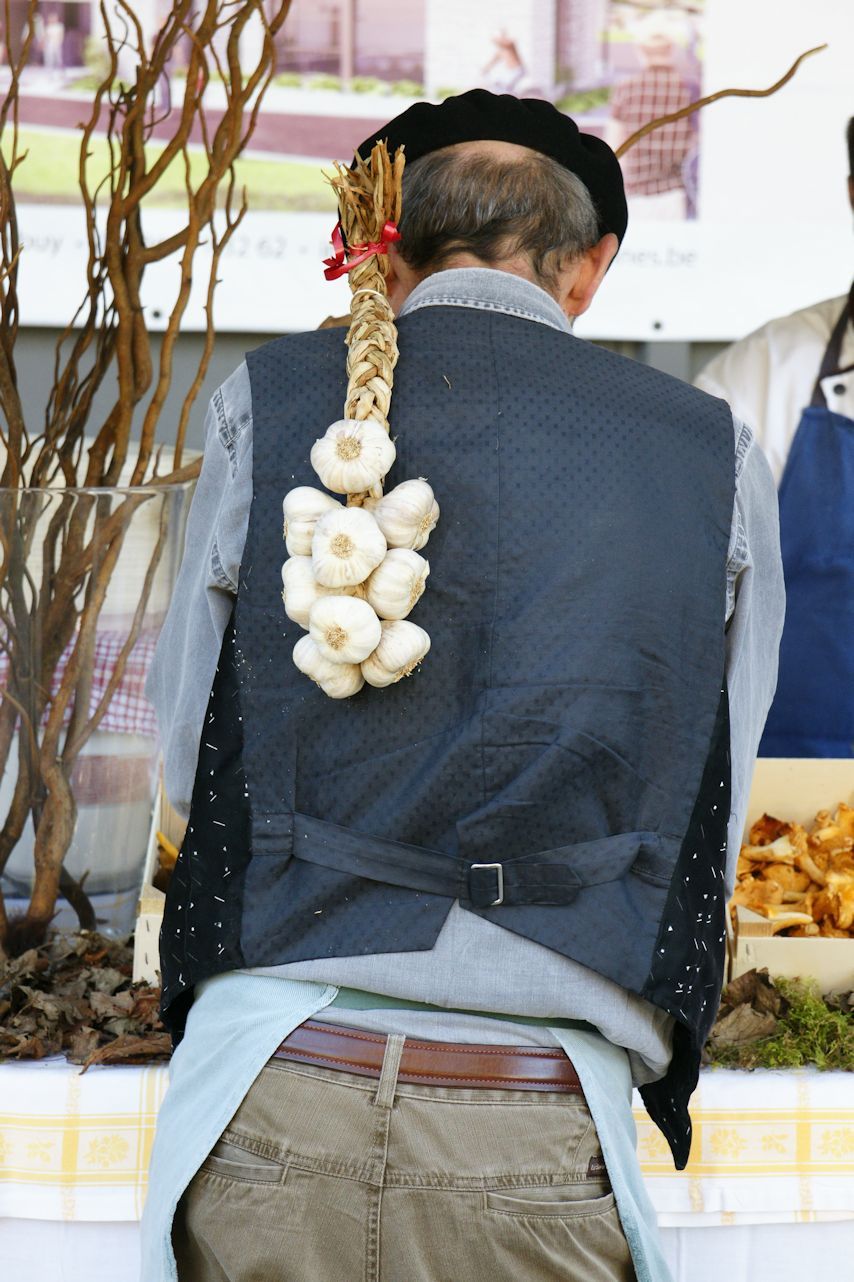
475, 965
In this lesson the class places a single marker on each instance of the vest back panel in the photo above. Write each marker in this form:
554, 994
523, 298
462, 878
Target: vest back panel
575, 606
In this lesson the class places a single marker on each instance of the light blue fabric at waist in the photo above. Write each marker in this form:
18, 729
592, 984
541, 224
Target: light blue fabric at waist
235, 1025
357, 999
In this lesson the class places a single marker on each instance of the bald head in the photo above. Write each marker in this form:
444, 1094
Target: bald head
502, 152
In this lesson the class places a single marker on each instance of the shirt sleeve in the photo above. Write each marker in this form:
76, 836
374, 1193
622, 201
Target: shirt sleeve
182, 673
755, 624
741, 376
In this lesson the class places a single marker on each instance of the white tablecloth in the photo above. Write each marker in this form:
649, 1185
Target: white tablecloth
76, 1146
768, 1148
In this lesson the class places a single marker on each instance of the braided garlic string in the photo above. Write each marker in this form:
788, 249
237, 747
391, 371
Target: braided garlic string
369, 196
354, 572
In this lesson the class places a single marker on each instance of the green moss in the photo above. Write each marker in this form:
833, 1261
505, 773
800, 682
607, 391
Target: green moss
809, 1033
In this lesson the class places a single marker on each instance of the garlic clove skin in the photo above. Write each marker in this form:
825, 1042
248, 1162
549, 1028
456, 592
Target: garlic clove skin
300, 589
347, 546
302, 508
353, 456
402, 647
407, 515
344, 629
338, 680
397, 583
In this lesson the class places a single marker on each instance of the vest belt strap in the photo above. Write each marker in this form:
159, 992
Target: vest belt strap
546, 877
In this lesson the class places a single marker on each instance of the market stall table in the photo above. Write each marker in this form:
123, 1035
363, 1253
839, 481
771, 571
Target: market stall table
768, 1193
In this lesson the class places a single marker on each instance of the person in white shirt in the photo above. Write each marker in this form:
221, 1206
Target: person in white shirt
793, 381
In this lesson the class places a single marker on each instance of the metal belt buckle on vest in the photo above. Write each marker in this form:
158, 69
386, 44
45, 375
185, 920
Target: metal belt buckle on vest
499, 877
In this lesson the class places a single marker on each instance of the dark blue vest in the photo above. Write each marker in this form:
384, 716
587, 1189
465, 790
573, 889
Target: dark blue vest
569, 723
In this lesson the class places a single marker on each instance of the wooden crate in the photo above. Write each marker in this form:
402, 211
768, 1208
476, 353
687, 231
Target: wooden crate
794, 788
146, 943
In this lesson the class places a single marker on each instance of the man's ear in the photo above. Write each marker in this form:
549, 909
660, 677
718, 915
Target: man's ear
587, 274
400, 280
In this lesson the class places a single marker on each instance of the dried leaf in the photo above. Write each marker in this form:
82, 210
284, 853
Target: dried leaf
121, 1027
768, 1000
74, 995
131, 1050
840, 1001
107, 980
24, 1023
25, 965
51, 1007
30, 1048
742, 989
146, 1006
83, 1043
108, 1007
742, 1025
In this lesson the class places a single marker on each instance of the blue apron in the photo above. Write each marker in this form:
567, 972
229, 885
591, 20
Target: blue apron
813, 710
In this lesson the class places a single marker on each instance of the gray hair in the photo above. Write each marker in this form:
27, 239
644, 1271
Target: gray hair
495, 209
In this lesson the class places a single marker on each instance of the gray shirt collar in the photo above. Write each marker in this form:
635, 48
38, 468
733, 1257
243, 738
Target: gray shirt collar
489, 290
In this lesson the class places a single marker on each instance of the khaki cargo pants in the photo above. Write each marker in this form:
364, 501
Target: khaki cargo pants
323, 1176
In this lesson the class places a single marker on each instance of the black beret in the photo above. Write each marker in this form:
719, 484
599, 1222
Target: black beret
480, 116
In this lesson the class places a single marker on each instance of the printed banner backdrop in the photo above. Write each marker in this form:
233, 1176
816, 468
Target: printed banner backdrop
735, 216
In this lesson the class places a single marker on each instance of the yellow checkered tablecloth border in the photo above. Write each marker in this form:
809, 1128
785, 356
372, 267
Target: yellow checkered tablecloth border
76, 1146
768, 1147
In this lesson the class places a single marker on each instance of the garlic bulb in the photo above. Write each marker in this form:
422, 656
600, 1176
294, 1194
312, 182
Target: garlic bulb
397, 583
344, 629
402, 647
300, 589
352, 456
347, 545
302, 507
338, 680
407, 514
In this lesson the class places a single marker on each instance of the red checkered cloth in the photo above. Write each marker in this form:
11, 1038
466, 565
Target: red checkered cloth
129, 712
654, 164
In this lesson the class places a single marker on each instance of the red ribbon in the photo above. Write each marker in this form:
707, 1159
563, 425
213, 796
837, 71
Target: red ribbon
344, 259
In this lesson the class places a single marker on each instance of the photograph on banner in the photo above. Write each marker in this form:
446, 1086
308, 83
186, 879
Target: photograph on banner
345, 67
611, 64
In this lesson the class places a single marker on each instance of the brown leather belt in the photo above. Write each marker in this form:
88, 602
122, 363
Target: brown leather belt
517, 1068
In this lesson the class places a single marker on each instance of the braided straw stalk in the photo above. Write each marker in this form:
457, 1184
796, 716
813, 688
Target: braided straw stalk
369, 195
